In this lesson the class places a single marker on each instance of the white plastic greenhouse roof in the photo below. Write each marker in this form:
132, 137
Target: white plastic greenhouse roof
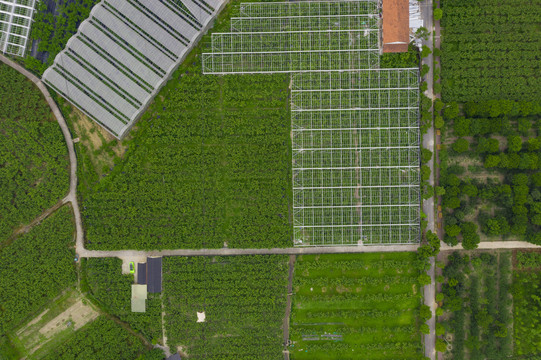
123, 53
15, 21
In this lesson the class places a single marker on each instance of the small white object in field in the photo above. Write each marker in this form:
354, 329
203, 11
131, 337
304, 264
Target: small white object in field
200, 317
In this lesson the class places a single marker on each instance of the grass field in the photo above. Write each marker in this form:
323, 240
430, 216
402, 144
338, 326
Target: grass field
355, 306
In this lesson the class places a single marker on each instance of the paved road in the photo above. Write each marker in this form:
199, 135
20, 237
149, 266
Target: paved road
128, 254
72, 194
428, 205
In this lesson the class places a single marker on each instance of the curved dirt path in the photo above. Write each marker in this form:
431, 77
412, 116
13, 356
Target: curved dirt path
72, 194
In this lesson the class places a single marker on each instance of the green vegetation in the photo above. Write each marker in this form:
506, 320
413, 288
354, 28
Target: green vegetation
210, 164
243, 299
35, 268
57, 322
478, 306
101, 339
112, 292
408, 59
355, 306
490, 172
486, 58
33, 155
53, 31
528, 260
527, 305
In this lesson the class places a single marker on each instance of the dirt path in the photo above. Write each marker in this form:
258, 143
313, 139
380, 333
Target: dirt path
26, 228
292, 259
165, 348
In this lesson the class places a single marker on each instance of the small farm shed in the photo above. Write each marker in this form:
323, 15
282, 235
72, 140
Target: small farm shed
395, 25
154, 274
138, 298
142, 273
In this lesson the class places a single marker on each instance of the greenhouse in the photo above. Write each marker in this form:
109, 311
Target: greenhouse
15, 22
123, 53
355, 127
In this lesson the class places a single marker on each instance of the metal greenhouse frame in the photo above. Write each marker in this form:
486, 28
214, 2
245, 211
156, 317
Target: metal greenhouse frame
15, 22
355, 127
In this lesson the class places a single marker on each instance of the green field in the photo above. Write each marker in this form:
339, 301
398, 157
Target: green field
477, 304
355, 306
101, 339
243, 299
35, 268
490, 50
527, 305
33, 155
208, 166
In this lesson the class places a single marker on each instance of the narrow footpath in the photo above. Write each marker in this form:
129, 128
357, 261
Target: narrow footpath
292, 259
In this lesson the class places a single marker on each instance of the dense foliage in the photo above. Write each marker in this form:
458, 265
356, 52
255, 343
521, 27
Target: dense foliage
479, 306
212, 168
112, 291
35, 268
101, 339
355, 306
498, 193
408, 59
33, 155
491, 50
528, 260
527, 305
243, 299
53, 28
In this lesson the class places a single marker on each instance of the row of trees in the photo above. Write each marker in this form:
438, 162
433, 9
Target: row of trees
476, 295
487, 53
243, 299
527, 305
512, 190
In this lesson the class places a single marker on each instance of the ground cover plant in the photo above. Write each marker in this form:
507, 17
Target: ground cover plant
490, 50
54, 24
111, 290
35, 268
101, 339
490, 172
527, 305
353, 306
33, 155
478, 306
242, 298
